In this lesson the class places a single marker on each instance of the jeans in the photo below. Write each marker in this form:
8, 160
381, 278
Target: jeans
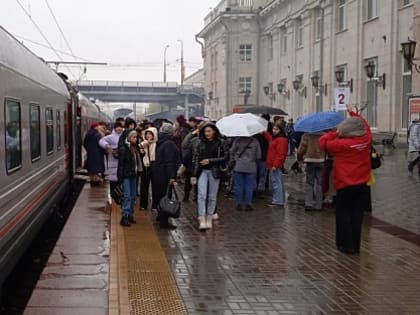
313, 191
279, 195
130, 190
244, 186
262, 175
146, 177
208, 187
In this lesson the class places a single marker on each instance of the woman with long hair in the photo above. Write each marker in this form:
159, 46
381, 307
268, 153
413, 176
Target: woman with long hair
129, 166
208, 158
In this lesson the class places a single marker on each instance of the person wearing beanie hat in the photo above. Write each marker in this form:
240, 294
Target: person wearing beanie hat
129, 168
164, 169
351, 146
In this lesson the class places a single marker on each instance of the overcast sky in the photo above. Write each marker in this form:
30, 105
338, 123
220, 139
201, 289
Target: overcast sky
129, 32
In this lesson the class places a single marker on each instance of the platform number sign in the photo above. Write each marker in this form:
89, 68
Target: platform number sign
342, 98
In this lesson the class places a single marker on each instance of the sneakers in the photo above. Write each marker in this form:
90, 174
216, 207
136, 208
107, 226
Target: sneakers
215, 216
249, 208
209, 222
131, 219
125, 221
202, 223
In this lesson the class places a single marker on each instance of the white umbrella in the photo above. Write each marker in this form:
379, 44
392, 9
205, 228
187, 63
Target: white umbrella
241, 125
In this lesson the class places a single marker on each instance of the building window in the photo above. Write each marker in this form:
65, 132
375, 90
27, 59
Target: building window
270, 46
245, 84
283, 41
13, 136
35, 132
372, 96
406, 90
342, 15
245, 52
49, 129
299, 33
58, 129
318, 25
372, 9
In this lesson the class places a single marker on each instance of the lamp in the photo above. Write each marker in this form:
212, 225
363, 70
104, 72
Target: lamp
297, 86
315, 83
408, 50
370, 69
281, 88
339, 77
271, 94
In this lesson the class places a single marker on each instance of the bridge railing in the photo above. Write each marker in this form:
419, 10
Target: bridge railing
94, 83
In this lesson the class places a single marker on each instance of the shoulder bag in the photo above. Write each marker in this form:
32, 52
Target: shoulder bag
170, 203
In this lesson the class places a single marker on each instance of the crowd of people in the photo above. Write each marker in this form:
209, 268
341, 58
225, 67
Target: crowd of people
152, 157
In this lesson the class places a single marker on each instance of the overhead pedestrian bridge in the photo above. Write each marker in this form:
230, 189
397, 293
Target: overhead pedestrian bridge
170, 93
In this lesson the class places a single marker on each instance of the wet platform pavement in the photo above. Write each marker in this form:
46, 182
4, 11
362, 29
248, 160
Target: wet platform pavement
269, 261
273, 261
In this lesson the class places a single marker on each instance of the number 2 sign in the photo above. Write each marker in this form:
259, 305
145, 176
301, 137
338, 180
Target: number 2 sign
342, 98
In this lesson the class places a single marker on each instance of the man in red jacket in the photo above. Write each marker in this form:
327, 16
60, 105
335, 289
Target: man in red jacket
351, 145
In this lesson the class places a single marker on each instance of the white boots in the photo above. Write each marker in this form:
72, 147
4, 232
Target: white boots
205, 222
202, 223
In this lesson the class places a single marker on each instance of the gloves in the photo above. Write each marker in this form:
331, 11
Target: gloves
193, 180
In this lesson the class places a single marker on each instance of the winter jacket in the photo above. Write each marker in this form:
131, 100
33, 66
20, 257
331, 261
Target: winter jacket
220, 157
189, 144
247, 162
95, 162
352, 164
263, 145
309, 150
149, 148
112, 141
277, 151
129, 163
168, 160
414, 138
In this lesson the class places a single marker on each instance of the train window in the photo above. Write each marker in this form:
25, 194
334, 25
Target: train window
58, 129
49, 125
65, 128
13, 136
35, 132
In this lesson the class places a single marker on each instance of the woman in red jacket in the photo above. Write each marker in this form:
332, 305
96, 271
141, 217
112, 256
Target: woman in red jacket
276, 157
351, 147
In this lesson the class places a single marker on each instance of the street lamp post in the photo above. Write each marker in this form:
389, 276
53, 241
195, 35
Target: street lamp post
182, 62
164, 63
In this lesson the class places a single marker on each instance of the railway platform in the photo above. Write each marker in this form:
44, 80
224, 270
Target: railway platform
268, 261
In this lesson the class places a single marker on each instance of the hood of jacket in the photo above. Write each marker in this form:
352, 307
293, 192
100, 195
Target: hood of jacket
154, 131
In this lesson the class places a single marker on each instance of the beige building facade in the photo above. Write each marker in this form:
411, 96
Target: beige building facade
272, 52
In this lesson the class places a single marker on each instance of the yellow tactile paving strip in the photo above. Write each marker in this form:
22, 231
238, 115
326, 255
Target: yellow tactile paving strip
145, 282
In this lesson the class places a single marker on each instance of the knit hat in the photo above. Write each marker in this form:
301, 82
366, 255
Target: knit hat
167, 128
351, 127
131, 134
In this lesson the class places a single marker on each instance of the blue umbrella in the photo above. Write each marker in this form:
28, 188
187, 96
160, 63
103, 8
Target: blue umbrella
316, 122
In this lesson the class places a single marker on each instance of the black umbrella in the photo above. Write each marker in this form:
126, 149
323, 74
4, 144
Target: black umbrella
259, 109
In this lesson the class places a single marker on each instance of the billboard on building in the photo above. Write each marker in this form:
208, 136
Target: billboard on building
413, 108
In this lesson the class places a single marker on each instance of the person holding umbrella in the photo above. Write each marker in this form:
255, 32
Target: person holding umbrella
245, 153
351, 146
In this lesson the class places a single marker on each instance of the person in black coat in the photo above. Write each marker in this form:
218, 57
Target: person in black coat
164, 170
129, 166
95, 163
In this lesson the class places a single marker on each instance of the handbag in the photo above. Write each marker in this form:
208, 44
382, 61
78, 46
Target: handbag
375, 159
170, 204
118, 194
232, 162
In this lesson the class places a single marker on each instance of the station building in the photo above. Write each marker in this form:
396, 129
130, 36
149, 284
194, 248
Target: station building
292, 54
